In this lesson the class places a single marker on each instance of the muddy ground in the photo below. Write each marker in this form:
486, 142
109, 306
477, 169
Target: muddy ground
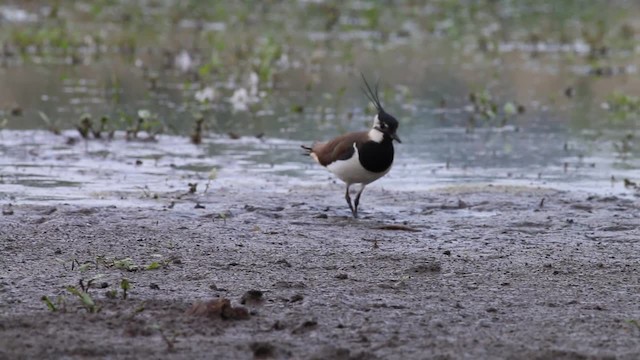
481, 272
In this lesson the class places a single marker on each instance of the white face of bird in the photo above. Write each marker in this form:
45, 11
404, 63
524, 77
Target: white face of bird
375, 134
384, 125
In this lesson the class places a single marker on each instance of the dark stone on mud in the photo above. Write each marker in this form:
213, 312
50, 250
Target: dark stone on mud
342, 276
283, 262
262, 350
618, 227
49, 211
296, 298
305, 326
216, 288
252, 297
582, 207
289, 285
426, 267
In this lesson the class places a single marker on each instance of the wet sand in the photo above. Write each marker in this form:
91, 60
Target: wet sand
477, 272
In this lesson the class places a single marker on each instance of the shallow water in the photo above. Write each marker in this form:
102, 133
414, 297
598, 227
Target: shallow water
572, 69
38, 166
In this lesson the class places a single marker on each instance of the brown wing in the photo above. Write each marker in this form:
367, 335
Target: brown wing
340, 148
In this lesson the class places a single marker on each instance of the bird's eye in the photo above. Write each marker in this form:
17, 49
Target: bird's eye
383, 125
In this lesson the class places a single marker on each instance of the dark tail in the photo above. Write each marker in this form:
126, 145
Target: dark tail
308, 150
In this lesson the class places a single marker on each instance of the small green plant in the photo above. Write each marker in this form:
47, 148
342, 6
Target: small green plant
125, 285
196, 136
213, 174
153, 266
86, 266
125, 264
485, 106
85, 126
77, 266
139, 309
49, 303
51, 126
170, 341
85, 299
635, 323
97, 133
58, 306
267, 54
223, 215
111, 294
622, 107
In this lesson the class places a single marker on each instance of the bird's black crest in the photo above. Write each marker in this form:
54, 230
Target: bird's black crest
372, 94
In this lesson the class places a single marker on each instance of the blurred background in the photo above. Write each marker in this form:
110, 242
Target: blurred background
113, 100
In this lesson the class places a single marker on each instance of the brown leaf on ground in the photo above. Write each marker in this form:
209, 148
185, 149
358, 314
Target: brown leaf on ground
218, 309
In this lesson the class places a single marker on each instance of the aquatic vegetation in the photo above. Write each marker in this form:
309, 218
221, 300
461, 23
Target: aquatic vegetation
484, 105
104, 123
287, 39
196, 136
98, 72
50, 125
205, 95
622, 107
85, 126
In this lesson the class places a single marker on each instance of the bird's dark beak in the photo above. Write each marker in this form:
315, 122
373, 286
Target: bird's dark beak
395, 137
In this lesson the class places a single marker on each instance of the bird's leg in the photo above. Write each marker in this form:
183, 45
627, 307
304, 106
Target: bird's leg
357, 201
348, 198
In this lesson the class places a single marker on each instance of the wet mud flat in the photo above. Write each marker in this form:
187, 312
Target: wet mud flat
478, 272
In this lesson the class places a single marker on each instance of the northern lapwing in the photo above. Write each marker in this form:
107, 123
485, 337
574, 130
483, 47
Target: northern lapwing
360, 157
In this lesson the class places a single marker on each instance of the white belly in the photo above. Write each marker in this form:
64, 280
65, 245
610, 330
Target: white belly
352, 172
